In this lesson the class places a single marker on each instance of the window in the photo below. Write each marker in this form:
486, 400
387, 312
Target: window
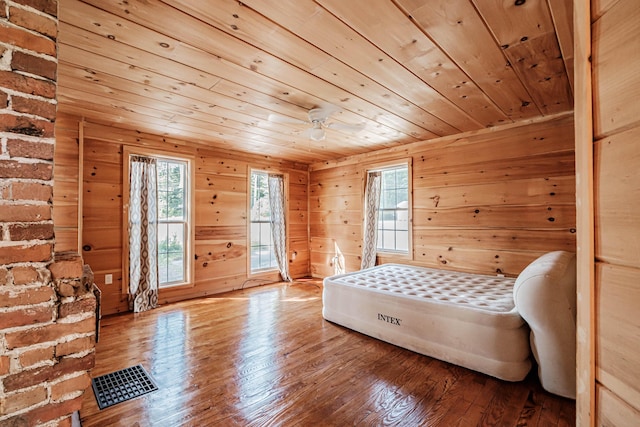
393, 215
172, 222
262, 247
174, 242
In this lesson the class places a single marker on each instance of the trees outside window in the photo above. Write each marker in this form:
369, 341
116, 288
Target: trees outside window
172, 221
262, 247
393, 214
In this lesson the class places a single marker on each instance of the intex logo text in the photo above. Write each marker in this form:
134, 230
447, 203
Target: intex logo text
389, 319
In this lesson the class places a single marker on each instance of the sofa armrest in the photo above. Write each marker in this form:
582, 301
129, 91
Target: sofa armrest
545, 297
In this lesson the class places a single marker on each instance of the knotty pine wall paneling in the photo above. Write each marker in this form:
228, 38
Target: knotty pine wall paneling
65, 187
485, 202
335, 219
220, 213
615, 45
298, 205
102, 215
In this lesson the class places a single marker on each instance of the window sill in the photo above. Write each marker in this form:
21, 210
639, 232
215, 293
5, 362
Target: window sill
174, 291
176, 285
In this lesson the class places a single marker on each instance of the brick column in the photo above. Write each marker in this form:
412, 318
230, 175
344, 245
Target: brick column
47, 308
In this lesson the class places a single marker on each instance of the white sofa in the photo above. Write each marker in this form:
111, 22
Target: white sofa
545, 296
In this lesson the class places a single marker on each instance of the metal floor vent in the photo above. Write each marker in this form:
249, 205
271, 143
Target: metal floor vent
122, 385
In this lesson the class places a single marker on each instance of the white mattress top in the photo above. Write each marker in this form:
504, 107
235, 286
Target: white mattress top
483, 292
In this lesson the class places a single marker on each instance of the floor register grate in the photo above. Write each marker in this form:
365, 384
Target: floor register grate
122, 385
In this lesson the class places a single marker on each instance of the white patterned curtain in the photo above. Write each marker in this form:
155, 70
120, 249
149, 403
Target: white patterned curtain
143, 229
371, 208
276, 203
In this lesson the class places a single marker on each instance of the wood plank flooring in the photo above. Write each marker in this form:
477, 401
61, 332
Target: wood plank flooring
264, 356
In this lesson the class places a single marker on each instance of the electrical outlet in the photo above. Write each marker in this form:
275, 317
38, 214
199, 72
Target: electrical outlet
108, 279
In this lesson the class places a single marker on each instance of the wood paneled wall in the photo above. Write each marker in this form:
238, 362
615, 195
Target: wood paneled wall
487, 202
221, 193
615, 44
65, 188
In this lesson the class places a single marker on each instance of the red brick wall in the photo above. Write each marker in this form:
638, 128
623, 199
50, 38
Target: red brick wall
47, 319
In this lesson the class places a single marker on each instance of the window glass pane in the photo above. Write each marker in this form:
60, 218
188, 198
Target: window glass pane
171, 245
402, 241
402, 177
388, 240
162, 192
402, 197
171, 188
262, 248
402, 220
175, 198
255, 234
389, 178
393, 220
259, 197
265, 234
175, 253
163, 265
389, 198
162, 205
163, 233
172, 221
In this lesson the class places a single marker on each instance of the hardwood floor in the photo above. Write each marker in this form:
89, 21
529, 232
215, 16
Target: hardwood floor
265, 357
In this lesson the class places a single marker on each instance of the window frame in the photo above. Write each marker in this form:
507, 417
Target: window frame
129, 151
389, 255
184, 222
266, 273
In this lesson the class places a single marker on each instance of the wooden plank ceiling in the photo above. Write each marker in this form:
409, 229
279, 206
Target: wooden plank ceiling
212, 72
